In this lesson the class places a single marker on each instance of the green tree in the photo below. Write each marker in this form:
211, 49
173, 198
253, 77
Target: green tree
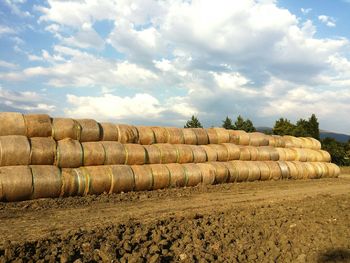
337, 150
193, 123
227, 124
245, 125
283, 127
301, 129
313, 127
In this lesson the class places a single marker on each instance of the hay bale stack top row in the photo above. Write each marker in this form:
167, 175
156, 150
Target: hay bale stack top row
88, 130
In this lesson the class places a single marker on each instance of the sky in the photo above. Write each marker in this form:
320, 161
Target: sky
160, 62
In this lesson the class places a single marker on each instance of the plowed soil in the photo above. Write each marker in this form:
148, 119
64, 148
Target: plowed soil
275, 221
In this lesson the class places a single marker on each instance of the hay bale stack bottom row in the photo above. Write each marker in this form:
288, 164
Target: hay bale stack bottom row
44, 157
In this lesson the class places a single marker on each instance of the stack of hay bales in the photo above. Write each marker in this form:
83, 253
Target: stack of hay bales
42, 157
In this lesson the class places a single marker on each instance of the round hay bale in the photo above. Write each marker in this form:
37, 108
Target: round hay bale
233, 173
74, 182
291, 155
168, 153
284, 169
267, 153
302, 171
38, 125
316, 144
47, 181
254, 139
311, 155
233, 151
264, 171
310, 171
263, 154
318, 155
160, 134
254, 171
211, 153
333, 170
43, 150
275, 171
292, 142
135, 154
263, 139
319, 171
208, 172
16, 183
14, 150
143, 177
279, 142
122, 178
326, 157
100, 178
63, 128
161, 176
177, 175
12, 123
127, 133
69, 154
175, 135
222, 174
146, 135
189, 136
90, 130
185, 153
324, 168
239, 137
202, 136
244, 153
234, 137
193, 174
253, 152
152, 154
244, 139
199, 154
300, 154
221, 151
272, 140
293, 170
212, 136
109, 131
115, 152
306, 142
93, 153
281, 154
239, 171
223, 135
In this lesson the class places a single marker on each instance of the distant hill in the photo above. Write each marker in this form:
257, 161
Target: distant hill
337, 136
323, 134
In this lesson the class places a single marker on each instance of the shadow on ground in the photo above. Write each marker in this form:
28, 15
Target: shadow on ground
335, 255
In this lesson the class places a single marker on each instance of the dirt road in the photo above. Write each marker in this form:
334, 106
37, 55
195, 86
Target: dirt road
283, 221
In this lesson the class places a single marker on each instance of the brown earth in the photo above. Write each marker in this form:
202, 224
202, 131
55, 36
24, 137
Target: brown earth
275, 221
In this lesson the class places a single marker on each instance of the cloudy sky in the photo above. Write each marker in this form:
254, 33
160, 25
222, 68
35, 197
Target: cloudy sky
159, 62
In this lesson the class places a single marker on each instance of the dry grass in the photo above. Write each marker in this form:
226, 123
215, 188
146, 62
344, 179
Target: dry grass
345, 170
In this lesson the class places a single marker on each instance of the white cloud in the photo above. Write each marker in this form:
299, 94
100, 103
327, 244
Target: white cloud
192, 57
5, 64
6, 30
327, 20
71, 67
305, 11
15, 8
109, 106
24, 101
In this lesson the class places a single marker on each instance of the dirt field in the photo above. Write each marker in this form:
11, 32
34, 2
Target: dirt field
283, 221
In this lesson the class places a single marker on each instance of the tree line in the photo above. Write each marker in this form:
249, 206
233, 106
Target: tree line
339, 151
